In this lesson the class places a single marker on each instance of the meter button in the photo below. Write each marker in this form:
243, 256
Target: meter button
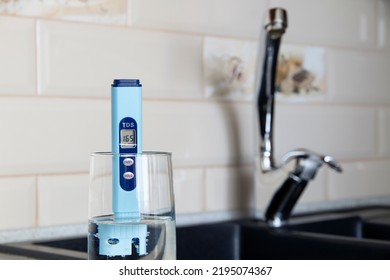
128, 162
128, 175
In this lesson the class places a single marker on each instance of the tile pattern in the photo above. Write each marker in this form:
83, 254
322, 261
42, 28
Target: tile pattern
58, 59
51, 135
228, 188
242, 19
62, 199
18, 202
347, 23
17, 56
167, 63
95, 11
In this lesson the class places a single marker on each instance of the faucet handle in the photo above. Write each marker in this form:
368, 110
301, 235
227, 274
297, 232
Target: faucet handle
332, 163
284, 199
313, 156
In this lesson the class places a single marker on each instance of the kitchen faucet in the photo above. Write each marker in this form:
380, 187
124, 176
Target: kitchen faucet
307, 162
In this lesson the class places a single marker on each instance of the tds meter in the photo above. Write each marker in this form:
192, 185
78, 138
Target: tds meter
125, 235
126, 111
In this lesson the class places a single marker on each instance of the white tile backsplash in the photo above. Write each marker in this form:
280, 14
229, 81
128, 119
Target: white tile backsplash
214, 17
347, 23
18, 201
96, 11
384, 133
200, 133
358, 77
189, 190
17, 56
51, 135
59, 59
344, 132
228, 188
360, 179
168, 64
62, 199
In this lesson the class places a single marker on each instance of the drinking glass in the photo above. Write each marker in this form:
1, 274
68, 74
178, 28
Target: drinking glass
147, 229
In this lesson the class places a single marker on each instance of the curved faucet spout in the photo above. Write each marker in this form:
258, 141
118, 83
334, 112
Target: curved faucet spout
307, 162
265, 102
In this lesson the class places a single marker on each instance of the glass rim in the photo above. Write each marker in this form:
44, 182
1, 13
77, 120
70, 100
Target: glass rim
143, 153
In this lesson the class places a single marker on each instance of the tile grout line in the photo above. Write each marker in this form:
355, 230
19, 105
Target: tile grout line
204, 199
129, 15
37, 201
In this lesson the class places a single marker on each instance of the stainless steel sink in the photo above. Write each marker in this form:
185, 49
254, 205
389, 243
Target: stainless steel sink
345, 234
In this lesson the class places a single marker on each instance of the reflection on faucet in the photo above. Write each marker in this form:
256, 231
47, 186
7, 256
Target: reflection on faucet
307, 163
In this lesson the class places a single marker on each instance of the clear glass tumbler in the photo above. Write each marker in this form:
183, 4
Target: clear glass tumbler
131, 222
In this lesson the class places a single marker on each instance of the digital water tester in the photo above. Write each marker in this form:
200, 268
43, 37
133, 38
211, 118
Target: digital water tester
126, 111
126, 235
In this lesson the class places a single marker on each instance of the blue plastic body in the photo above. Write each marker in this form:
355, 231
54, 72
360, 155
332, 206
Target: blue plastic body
126, 110
126, 232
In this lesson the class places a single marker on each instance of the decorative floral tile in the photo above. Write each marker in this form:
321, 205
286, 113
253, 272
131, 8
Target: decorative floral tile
301, 71
229, 68
97, 11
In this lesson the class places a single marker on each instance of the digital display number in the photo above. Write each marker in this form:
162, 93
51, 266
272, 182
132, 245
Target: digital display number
127, 138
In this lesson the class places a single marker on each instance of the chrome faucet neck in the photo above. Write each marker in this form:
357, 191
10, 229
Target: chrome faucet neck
265, 103
307, 162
